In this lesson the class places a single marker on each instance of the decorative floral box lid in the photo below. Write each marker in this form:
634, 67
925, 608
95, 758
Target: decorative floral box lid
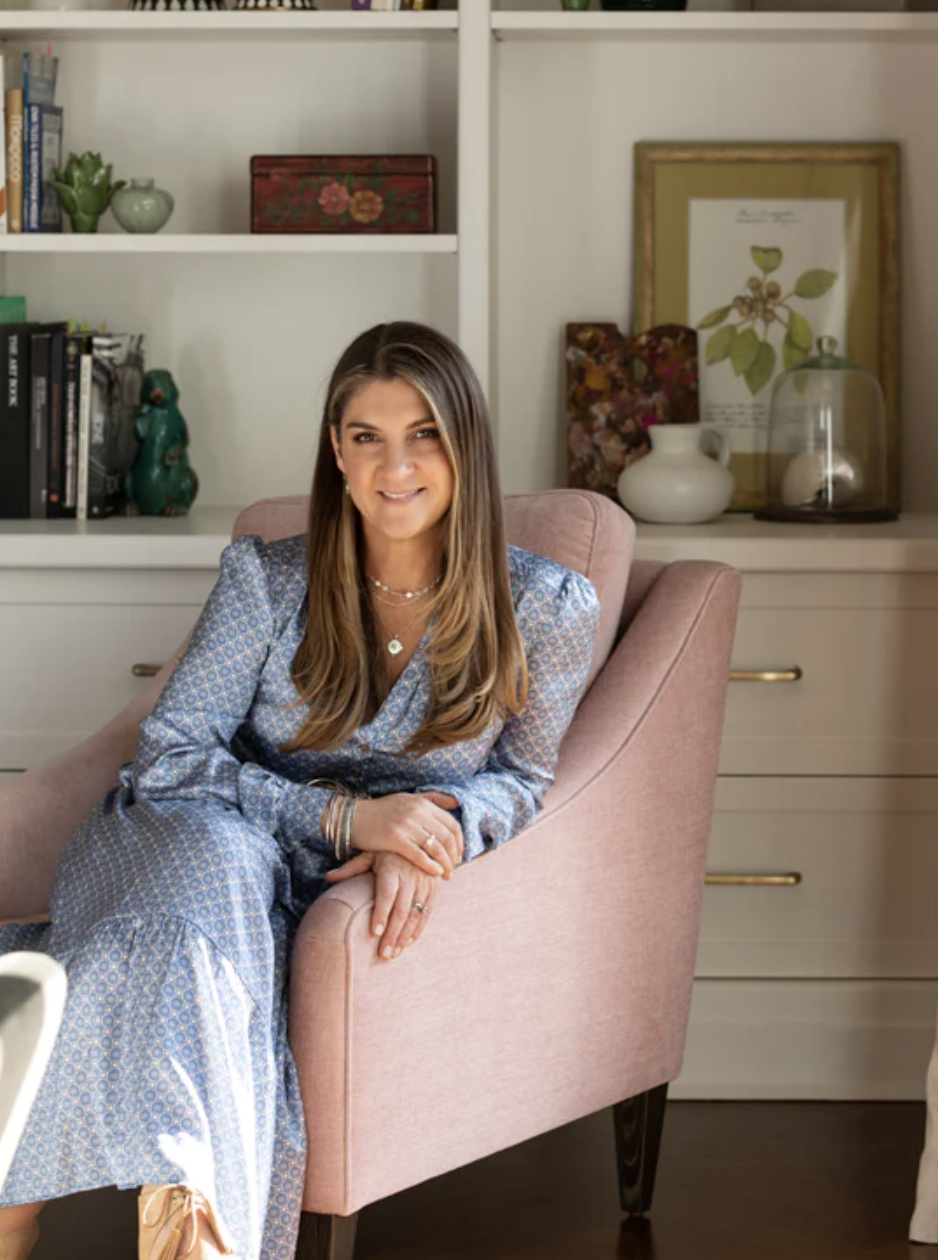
338, 193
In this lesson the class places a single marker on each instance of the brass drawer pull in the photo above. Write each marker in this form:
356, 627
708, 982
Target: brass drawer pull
766, 675
146, 671
755, 881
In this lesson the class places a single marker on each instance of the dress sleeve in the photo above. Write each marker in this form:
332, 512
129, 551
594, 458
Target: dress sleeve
185, 753
506, 794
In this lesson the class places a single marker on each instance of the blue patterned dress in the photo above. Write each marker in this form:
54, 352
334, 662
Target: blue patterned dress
176, 902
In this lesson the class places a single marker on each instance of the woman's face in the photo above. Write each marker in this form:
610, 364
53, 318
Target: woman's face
398, 473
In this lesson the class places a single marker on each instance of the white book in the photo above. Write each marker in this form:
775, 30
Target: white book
84, 436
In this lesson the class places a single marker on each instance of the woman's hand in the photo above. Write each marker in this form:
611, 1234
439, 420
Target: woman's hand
398, 884
414, 827
399, 888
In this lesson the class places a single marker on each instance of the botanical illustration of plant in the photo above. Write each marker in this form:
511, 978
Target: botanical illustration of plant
760, 311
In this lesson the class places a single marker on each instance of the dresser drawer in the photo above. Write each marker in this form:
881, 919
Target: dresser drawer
842, 676
69, 646
861, 858
826, 1039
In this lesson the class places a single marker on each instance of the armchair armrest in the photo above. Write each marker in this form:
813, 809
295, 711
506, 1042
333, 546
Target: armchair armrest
555, 978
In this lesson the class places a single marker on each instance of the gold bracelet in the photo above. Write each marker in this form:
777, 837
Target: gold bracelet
338, 816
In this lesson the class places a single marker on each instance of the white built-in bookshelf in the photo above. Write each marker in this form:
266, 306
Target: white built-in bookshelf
532, 114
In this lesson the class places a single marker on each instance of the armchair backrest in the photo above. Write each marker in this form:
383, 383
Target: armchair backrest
38, 811
579, 529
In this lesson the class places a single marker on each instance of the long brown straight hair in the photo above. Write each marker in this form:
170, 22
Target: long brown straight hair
478, 670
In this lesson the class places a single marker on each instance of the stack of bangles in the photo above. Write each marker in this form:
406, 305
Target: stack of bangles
339, 816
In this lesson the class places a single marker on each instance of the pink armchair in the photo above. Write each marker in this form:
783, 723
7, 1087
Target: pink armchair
577, 995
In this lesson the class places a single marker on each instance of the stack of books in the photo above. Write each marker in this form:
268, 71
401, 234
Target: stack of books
67, 403
32, 135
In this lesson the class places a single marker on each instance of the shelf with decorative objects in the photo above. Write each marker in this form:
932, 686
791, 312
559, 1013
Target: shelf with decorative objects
343, 25
228, 243
909, 545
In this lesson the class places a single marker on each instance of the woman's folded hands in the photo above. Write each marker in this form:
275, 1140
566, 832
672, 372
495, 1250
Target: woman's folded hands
412, 844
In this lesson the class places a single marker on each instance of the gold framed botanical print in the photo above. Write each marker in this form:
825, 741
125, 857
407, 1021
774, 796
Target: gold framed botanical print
763, 248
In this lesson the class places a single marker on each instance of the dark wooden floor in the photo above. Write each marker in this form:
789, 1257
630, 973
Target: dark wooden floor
737, 1181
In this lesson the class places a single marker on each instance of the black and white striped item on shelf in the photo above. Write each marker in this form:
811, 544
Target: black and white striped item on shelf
176, 6
271, 5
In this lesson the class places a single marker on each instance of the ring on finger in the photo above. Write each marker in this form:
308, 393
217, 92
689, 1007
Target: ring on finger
419, 907
431, 838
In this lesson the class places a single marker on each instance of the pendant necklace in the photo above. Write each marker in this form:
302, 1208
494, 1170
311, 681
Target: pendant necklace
394, 644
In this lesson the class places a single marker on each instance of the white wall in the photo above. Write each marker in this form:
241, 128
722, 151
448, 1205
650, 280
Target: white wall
569, 117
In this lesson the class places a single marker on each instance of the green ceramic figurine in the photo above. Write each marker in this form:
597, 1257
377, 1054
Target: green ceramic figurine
85, 190
161, 481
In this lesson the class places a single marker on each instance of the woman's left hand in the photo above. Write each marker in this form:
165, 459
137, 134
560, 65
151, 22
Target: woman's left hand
398, 885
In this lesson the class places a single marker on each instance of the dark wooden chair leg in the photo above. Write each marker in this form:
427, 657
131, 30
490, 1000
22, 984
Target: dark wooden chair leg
638, 1123
326, 1237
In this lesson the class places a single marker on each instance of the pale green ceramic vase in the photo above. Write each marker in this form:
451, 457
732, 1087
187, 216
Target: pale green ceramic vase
142, 207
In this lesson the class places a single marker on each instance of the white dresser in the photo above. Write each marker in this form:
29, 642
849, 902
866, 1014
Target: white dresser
818, 965
818, 979
85, 609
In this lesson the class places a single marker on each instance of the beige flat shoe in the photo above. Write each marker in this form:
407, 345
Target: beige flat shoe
177, 1221
19, 1245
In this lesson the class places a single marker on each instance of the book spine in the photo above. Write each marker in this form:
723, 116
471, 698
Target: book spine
33, 168
39, 424
55, 500
14, 426
4, 216
14, 146
97, 438
50, 157
71, 397
7, 451
84, 435
25, 136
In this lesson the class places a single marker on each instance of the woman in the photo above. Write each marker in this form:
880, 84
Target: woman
387, 693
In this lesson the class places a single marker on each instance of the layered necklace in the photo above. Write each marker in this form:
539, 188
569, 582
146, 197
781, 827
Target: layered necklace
395, 644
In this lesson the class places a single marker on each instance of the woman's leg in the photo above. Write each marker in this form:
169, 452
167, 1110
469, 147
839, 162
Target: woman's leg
14, 1219
19, 1231
172, 1066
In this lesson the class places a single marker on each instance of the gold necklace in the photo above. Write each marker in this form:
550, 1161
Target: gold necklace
395, 645
389, 590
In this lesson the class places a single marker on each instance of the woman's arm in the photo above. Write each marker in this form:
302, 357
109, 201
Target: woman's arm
184, 751
506, 794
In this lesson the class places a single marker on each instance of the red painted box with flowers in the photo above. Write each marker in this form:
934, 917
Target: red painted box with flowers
343, 194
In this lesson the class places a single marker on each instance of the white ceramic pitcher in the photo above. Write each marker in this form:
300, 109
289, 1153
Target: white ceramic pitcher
677, 484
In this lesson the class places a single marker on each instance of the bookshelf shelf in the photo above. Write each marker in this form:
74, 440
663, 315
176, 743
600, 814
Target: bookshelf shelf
230, 243
775, 27
127, 542
93, 23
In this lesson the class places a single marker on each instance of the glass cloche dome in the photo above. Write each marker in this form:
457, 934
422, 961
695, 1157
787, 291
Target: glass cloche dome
827, 443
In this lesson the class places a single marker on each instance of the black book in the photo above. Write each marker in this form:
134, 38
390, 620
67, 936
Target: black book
40, 395
55, 501
14, 421
75, 346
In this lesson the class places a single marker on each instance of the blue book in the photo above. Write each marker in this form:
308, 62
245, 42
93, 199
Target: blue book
40, 72
25, 138
42, 212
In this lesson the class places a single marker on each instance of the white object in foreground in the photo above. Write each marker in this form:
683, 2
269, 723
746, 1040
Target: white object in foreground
32, 999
